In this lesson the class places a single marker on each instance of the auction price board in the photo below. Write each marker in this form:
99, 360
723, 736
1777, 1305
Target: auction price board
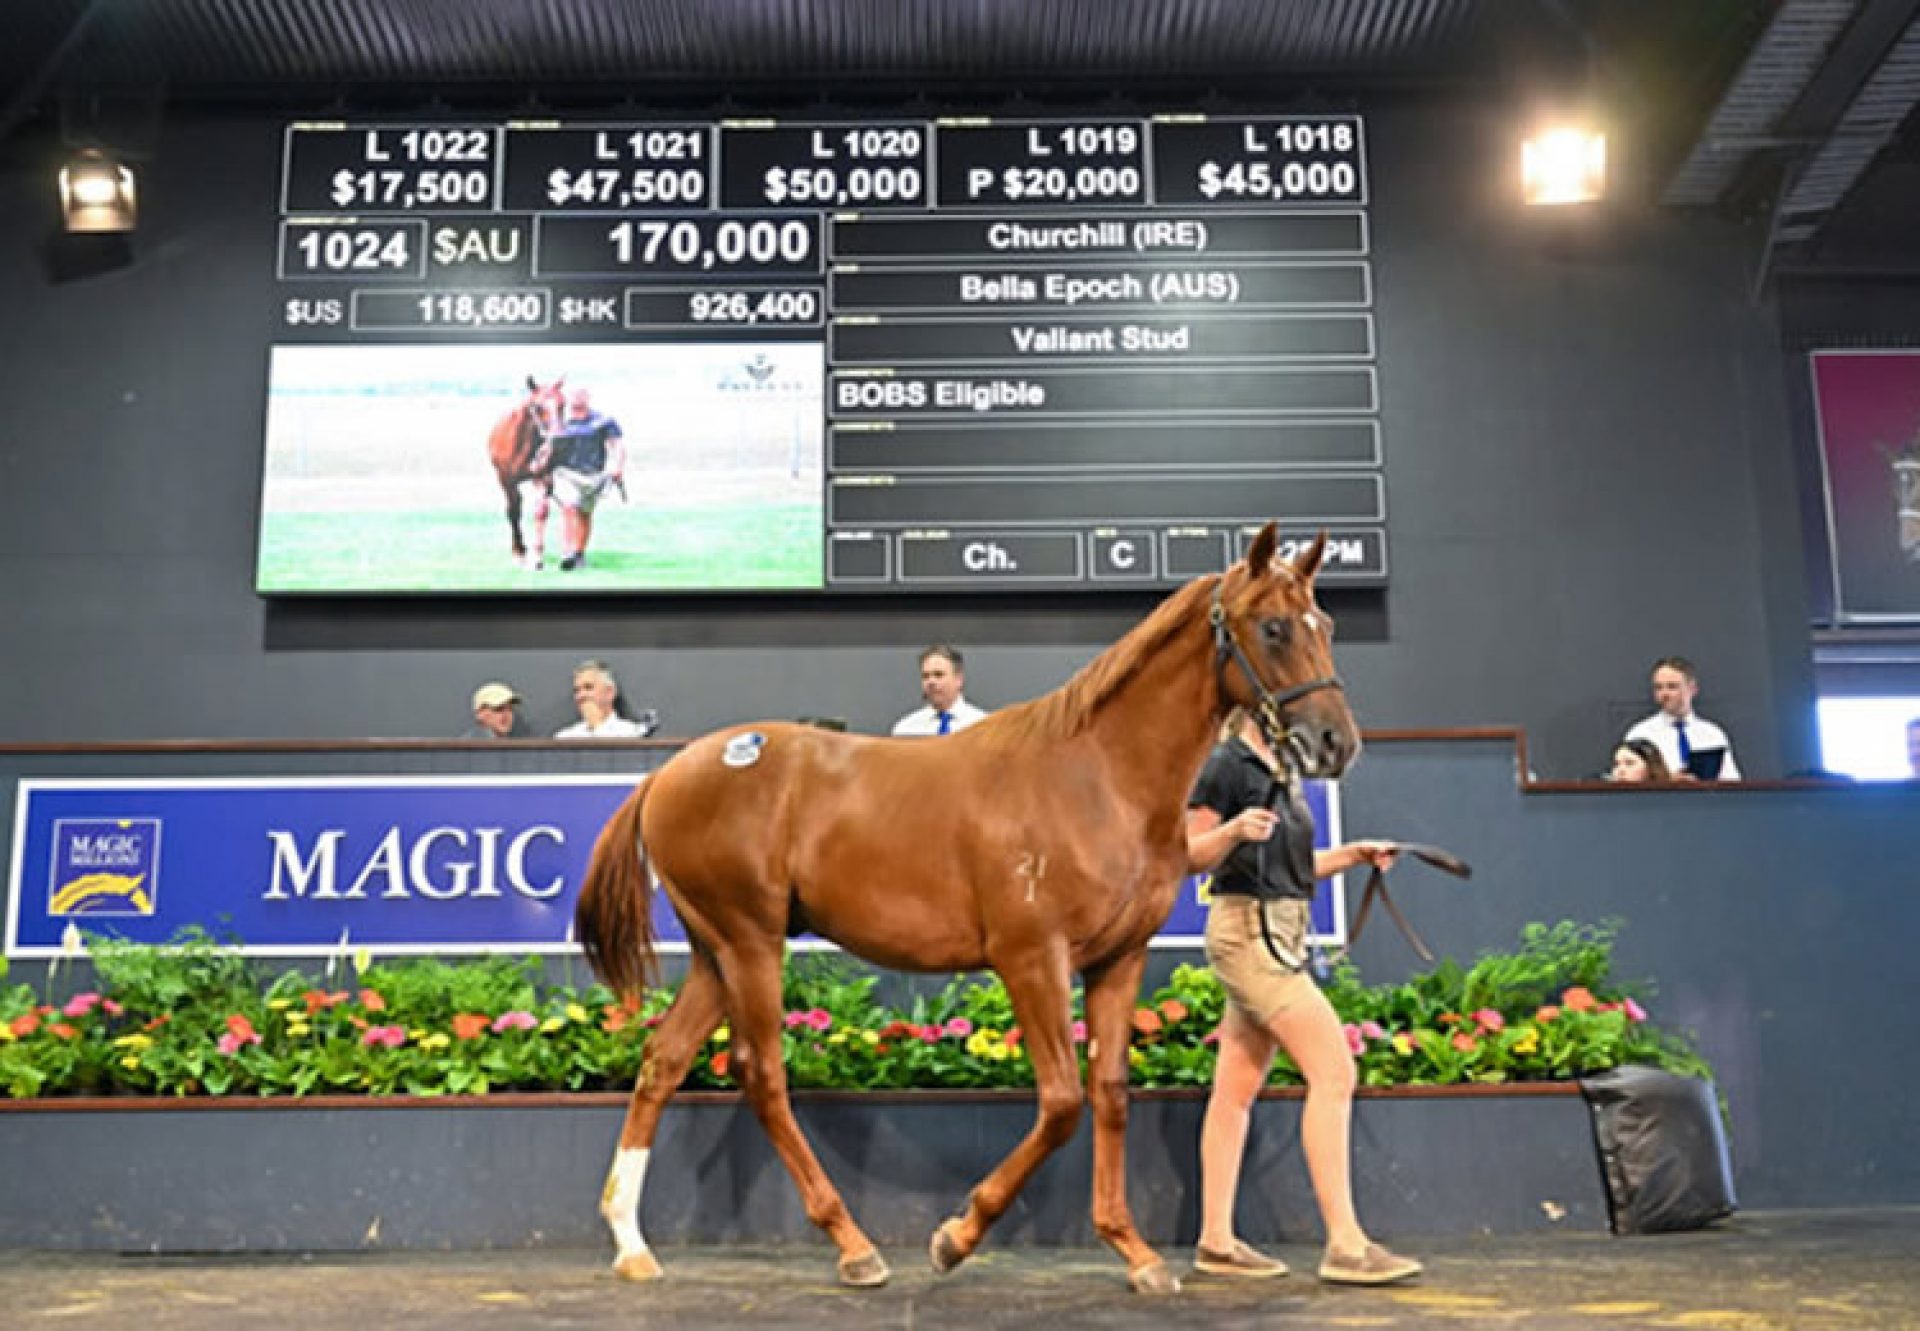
1062, 352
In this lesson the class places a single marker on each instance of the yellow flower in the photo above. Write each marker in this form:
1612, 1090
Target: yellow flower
838, 1037
138, 1040
998, 1052
552, 1024
1402, 1043
1136, 1058
416, 1035
977, 1043
6, 1033
297, 1028
438, 1040
130, 1062
1528, 1043
871, 1037
576, 1013
361, 960
279, 1004
722, 1035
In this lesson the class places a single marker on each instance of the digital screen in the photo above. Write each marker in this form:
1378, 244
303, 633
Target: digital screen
949, 354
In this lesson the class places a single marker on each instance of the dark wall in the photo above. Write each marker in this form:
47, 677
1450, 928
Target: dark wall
1588, 467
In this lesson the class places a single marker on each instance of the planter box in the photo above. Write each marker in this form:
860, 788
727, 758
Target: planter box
526, 1170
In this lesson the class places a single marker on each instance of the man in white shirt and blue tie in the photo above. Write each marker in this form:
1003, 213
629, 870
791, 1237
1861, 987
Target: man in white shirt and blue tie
1687, 741
942, 676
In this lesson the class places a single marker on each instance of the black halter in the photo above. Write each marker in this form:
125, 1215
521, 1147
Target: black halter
1266, 712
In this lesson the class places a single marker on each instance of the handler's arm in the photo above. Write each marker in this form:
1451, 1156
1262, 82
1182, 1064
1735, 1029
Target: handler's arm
1210, 838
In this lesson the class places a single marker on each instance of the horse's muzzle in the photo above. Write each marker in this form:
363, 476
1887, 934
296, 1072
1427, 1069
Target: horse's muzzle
1322, 748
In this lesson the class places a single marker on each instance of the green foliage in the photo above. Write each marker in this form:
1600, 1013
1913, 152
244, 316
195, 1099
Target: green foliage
195, 1018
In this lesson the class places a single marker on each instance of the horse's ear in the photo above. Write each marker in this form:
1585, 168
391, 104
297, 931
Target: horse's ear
533, 385
1308, 562
1260, 553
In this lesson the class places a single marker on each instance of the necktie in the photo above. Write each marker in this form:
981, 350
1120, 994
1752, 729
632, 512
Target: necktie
1686, 748
946, 724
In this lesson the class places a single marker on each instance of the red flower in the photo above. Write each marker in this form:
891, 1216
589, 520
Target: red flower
718, 1064
1013, 1038
242, 1029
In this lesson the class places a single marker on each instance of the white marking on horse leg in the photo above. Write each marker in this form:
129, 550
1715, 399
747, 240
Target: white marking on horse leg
620, 1203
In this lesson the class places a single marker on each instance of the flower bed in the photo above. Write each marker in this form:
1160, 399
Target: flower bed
195, 1018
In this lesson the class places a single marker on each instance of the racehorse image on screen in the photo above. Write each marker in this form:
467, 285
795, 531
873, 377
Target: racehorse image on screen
670, 467
1044, 841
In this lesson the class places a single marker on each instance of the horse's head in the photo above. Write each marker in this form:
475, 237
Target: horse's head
1274, 656
545, 404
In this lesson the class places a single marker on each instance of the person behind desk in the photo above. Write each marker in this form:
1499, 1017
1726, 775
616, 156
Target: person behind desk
597, 696
493, 714
1248, 825
942, 677
1637, 762
1694, 747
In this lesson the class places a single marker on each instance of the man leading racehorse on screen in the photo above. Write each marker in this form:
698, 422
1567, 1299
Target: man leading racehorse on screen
585, 455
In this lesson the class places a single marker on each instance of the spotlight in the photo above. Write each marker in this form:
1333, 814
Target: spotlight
97, 194
1563, 166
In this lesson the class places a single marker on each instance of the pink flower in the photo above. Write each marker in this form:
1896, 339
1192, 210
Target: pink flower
959, 1028
1634, 1011
1211, 1037
230, 1044
1465, 1043
512, 1021
111, 1008
1356, 1042
929, 1034
1372, 1030
820, 1019
796, 1019
1079, 1032
390, 1036
1489, 1020
81, 1004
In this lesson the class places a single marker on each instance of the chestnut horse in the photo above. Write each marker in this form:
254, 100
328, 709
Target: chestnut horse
1047, 839
514, 449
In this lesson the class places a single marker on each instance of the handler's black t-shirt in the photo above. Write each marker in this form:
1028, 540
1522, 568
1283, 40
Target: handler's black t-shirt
1235, 779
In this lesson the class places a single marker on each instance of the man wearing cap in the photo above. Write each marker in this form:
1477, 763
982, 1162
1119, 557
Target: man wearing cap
493, 714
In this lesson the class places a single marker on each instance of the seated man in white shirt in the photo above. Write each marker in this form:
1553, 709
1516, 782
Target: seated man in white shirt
1688, 742
942, 676
597, 696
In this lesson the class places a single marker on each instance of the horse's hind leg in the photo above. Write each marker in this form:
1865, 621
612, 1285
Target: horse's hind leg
1112, 991
511, 491
752, 976
1040, 986
695, 1012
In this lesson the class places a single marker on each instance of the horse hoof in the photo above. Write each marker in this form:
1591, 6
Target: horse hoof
1153, 1278
945, 1249
865, 1271
638, 1266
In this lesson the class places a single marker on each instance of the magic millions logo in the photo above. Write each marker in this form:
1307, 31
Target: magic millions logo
761, 374
104, 866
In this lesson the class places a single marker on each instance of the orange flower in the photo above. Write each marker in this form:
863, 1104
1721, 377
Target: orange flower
718, 1064
1146, 1021
61, 1029
242, 1029
470, 1025
1465, 1043
616, 1017
1579, 999
25, 1024
315, 999
1547, 1014
370, 1000
1173, 1010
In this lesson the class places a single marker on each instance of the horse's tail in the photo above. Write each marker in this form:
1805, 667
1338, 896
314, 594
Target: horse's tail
614, 916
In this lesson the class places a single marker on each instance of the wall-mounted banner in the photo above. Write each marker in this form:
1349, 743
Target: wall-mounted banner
305, 866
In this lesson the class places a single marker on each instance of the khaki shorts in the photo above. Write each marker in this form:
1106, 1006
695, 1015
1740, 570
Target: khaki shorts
1256, 981
576, 489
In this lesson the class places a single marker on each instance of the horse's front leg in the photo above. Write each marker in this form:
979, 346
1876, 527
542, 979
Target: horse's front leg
752, 976
511, 489
1112, 992
542, 501
1039, 982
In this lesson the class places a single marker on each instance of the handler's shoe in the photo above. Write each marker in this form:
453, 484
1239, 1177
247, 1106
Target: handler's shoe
1241, 1260
1374, 1265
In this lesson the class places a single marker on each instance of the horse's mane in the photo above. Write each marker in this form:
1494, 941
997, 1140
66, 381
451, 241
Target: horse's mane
1069, 709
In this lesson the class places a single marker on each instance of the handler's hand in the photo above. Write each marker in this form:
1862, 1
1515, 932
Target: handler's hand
1379, 854
1253, 824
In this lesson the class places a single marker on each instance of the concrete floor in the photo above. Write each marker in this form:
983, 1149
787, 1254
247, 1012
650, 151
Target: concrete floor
1791, 1270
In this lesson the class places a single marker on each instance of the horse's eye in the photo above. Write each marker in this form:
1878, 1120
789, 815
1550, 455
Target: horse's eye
1276, 633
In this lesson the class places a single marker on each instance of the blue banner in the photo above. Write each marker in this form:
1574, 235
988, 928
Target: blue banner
307, 866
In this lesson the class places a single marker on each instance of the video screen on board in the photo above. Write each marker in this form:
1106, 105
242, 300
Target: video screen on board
543, 469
